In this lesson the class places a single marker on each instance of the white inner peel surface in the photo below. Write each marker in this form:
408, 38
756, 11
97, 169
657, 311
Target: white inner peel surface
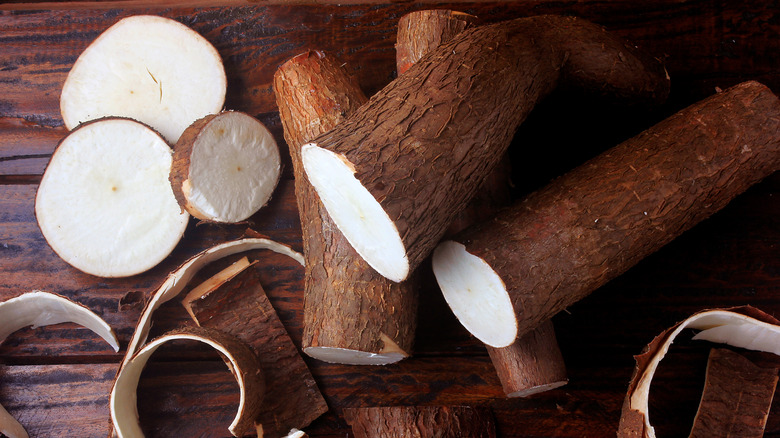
475, 293
105, 204
358, 215
352, 357
234, 169
152, 69
178, 280
719, 326
124, 406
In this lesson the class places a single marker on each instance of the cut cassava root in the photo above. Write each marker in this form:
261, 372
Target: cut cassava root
225, 167
394, 174
421, 422
351, 314
533, 363
505, 276
148, 68
104, 203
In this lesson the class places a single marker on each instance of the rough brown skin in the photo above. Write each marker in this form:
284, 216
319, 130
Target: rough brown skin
421, 422
594, 223
241, 308
447, 121
421, 31
180, 168
534, 363
737, 397
346, 303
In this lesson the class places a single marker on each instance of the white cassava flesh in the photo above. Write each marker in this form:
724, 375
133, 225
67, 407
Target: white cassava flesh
720, 326
37, 309
475, 293
178, 279
358, 215
152, 69
243, 365
390, 353
105, 204
232, 167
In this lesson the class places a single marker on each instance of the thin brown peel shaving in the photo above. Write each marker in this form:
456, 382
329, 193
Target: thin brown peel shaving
37, 309
239, 358
742, 327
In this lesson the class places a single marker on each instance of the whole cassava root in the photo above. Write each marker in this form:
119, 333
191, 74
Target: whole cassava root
393, 175
351, 313
421, 421
533, 363
592, 224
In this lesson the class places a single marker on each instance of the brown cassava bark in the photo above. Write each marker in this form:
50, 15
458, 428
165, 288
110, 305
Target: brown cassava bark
421, 422
180, 168
533, 363
737, 397
592, 224
347, 304
241, 308
423, 145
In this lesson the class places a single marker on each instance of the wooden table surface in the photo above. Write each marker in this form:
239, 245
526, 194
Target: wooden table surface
56, 380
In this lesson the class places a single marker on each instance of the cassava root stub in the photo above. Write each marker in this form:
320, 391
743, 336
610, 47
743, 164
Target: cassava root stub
225, 167
394, 174
505, 276
37, 309
104, 204
352, 314
148, 68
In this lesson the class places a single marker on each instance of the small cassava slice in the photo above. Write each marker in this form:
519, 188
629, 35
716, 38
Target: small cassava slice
37, 309
241, 361
225, 167
148, 68
105, 204
505, 276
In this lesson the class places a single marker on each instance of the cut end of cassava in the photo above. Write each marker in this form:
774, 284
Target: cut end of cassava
226, 166
536, 389
475, 293
149, 68
358, 215
105, 204
353, 357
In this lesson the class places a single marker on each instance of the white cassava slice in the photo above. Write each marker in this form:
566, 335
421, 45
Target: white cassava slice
225, 167
152, 69
178, 279
240, 359
743, 327
105, 204
37, 309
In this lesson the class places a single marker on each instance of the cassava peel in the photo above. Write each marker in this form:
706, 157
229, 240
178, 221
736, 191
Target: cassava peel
393, 175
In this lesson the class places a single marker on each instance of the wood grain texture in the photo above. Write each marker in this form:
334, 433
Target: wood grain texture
729, 259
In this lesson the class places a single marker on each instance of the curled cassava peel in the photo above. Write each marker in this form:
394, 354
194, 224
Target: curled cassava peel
743, 327
238, 356
37, 309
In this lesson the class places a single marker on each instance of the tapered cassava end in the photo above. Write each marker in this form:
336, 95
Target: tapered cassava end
104, 204
357, 214
149, 68
225, 167
476, 294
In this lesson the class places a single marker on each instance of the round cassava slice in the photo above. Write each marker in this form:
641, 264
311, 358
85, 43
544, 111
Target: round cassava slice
225, 167
104, 203
148, 68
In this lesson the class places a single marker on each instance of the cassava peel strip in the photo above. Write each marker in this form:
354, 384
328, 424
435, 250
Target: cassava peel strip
533, 363
212, 284
37, 309
743, 327
351, 314
587, 227
178, 279
240, 307
394, 174
240, 359
421, 421
736, 399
